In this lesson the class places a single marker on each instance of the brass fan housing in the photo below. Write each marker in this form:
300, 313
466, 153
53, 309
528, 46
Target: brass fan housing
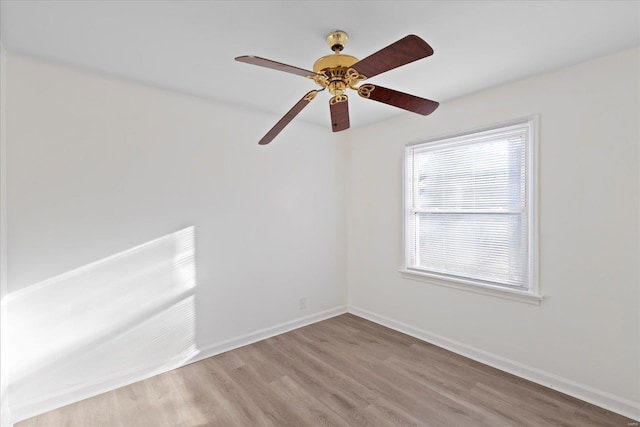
337, 60
334, 72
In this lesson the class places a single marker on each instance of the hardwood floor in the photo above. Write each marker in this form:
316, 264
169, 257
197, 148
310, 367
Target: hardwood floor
345, 371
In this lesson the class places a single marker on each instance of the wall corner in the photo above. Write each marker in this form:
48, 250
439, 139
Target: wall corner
5, 413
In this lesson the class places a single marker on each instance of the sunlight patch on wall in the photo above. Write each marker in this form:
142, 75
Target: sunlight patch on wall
130, 312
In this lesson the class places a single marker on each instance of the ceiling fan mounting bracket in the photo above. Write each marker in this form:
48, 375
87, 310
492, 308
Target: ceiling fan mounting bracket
337, 40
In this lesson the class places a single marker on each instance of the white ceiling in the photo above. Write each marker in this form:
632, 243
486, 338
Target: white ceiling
189, 46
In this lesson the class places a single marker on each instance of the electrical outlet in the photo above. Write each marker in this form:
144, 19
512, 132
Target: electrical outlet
302, 303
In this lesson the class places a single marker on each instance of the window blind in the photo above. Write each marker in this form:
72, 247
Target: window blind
467, 210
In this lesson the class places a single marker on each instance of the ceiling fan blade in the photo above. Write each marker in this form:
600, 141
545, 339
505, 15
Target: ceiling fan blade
339, 113
406, 50
284, 121
256, 60
402, 100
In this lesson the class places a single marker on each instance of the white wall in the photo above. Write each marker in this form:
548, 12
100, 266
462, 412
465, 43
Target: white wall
99, 167
584, 337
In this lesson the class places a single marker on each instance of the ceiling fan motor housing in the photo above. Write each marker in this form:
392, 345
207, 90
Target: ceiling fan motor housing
335, 61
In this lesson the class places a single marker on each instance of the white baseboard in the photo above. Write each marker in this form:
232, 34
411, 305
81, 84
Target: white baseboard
262, 334
25, 410
572, 388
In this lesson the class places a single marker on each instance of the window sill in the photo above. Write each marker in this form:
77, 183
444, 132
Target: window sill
495, 291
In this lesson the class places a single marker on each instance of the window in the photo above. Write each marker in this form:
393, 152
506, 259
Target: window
470, 211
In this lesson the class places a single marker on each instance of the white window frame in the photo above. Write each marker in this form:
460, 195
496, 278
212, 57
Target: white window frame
532, 294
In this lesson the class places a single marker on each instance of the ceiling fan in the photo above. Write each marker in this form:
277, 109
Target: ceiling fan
339, 72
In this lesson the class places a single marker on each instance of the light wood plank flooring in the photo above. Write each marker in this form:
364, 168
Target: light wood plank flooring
345, 371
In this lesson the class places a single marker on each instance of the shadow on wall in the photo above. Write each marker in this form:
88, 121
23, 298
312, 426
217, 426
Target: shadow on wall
94, 326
